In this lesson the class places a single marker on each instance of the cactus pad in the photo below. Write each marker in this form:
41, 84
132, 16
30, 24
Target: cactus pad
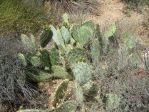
60, 72
54, 56
22, 58
68, 106
76, 55
60, 92
83, 33
38, 76
46, 36
82, 72
112, 101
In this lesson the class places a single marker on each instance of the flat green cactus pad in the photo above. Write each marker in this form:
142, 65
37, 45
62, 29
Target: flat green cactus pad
60, 92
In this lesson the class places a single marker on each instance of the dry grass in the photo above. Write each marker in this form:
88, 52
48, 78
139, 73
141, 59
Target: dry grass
14, 15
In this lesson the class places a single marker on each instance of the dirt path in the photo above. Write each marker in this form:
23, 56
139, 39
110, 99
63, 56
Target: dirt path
112, 10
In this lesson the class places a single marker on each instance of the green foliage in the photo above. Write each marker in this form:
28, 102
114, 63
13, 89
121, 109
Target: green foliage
79, 94
97, 46
39, 75
32, 110
65, 19
22, 58
68, 106
90, 88
126, 55
54, 56
57, 37
82, 73
123, 56
36, 75
46, 36
45, 57
89, 24
60, 92
35, 61
135, 59
107, 36
38, 65
76, 55
111, 30
65, 34
60, 72
95, 50
129, 40
28, 41
83, 33
72, 39
78, 48
112, 101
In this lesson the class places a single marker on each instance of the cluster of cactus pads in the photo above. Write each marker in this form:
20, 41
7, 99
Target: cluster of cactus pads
42, 64
69, 59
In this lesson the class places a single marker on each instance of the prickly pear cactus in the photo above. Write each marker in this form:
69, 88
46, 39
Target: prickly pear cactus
79, 94
65, 18
90, 88
68, 106
54, 56
28, 42
46, 36
22, 58
110, 31
35, 61
82, 73
76, 55
38, 75
83, 33
95, 51
112, 101
65, 34
129, 40
60, 72
45, 57
57, 37
89, 24
32, 110
60, 92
